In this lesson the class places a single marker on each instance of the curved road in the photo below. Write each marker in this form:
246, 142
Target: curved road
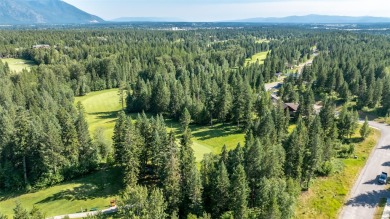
366, 192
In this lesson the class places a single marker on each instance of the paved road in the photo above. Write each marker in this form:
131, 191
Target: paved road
86, 214
366, 192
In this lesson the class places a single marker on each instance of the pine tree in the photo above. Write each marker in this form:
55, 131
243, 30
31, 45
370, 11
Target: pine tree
365, 130
20, 212
171, 177
191, 185
224, 102
185, 119
239, 193
295, 148
156, 205
130, 156
254, 170
313, 152
88, 154
120, 130
221, 191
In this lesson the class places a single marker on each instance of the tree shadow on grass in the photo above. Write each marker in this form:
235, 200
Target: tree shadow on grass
102, 184
105, 115
214, 132
369, 199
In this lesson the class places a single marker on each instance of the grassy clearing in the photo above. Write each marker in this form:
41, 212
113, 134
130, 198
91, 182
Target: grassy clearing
261, 56
93, 191
379, 209
102, 108
17, 65
328, 194
262, 41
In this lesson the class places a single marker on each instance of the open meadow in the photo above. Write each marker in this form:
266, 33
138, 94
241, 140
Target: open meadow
17, 65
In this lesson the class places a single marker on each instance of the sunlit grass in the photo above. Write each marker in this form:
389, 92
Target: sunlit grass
17, 65
328, 194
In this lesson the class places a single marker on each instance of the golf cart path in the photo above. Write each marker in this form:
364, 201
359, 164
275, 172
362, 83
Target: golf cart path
366, 192
86, 214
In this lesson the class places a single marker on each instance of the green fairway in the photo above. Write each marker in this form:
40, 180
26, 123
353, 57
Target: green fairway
93, 191
102, 108
261, 56
17, 65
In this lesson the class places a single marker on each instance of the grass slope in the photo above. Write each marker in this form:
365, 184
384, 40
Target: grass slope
328, 194
17, 65
261, 56
93, 191
102, 108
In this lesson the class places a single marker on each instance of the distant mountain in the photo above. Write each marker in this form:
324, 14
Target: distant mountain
43, 12
146, 19
318, 19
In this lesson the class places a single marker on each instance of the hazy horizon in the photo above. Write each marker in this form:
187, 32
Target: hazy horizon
218, 10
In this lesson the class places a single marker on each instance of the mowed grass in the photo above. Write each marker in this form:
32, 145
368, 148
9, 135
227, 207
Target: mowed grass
328, 194
17, 65
101, 109
93, 191
261, 56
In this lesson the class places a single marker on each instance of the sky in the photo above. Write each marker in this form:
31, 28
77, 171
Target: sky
222, 10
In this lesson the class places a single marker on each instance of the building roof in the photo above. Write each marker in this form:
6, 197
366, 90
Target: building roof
292, 106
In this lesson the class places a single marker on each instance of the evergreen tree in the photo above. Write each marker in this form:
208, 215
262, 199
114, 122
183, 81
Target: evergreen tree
365, 130
185, 119
221, 191
20, 212
313, 152
171, 177
190, 179
239, 193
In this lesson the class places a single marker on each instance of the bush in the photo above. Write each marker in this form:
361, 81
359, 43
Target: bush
325, 169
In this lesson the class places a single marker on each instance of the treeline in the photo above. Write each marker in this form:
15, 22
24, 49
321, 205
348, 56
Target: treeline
44, 139
260, 179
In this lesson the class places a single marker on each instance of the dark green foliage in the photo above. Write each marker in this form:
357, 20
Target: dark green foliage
365, 129
239, 193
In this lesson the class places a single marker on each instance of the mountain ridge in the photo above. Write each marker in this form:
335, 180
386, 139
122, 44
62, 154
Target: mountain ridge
314, 18
43, 12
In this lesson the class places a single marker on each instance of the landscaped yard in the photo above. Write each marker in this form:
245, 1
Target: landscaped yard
17, 65
327, 194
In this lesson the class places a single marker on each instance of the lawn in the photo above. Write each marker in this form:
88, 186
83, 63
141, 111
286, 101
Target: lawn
261, 56
102, 108
328, 194
93, 191
17, 65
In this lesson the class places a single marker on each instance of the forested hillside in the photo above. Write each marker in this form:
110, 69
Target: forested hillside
193, 77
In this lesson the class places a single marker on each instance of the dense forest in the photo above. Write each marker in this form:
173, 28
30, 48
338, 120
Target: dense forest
193, 77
